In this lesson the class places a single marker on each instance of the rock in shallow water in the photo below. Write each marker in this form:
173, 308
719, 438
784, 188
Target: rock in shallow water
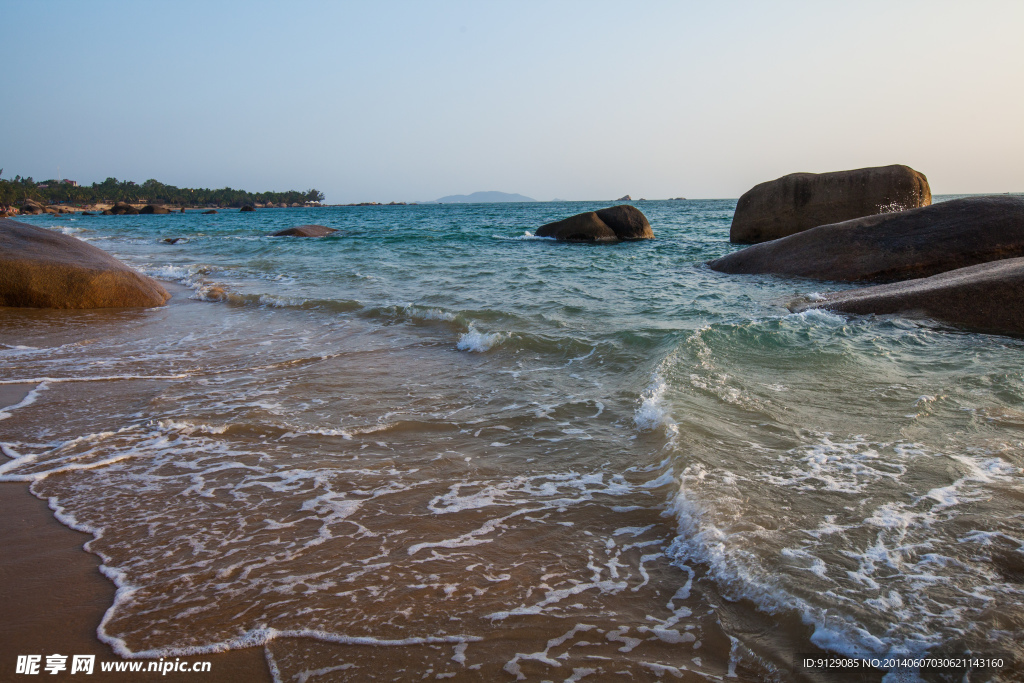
305, 231
893, 246
123, 209
613, 224
988, 297
41, 268
800, 201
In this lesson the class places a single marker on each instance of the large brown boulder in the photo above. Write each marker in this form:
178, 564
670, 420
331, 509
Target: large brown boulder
613, 224
628, 222
800, 201
988, 297
893, 246
123, 209
30, 207
154, 208
305, 231
41, 268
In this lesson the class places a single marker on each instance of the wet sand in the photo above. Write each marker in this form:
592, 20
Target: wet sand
53, 596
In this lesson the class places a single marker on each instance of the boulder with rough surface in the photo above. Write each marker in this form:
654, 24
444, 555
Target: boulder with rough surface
154, 209
30, 207
893, 246
613, 224
305, 231
123, 209
800, 201
988, 297
41, 268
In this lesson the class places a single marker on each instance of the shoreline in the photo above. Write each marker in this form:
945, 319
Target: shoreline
54, 596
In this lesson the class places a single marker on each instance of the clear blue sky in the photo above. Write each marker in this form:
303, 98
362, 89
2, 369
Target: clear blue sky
406, 101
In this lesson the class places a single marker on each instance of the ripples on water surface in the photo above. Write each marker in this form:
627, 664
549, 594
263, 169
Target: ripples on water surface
433, 446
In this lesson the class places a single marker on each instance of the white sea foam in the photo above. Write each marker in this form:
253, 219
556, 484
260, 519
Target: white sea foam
527, 235
653, 412
479, 342
186, 275
819, 316
29, 399
423, 313
276, 301
906, 590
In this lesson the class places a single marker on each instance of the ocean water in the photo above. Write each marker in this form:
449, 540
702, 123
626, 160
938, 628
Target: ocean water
433, 446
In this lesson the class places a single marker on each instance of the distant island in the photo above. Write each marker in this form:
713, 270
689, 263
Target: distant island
152, 191
482, 198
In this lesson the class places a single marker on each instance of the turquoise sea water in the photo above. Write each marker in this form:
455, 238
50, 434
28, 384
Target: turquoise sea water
434, 444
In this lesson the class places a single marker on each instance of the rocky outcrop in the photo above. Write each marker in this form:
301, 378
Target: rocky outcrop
628, 222
895, 246
41, 268
305, 231
987, 297
154, 209
31, 208
209, 212
123, 209
613, 224
247, 208
800, 201
624, 198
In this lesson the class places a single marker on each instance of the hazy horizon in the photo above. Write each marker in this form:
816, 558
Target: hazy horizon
407, 101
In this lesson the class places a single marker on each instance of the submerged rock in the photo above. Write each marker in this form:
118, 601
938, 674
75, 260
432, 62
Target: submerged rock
613, 224
247, 208
174, 240
305, 231
800, 201
894, 246
154, 209
41, 268
210, 211
987, 297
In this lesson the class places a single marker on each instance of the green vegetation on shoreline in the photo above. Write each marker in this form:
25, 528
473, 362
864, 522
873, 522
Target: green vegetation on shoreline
111, 190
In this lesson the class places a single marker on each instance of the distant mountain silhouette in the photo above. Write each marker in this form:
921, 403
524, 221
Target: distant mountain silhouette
482, 198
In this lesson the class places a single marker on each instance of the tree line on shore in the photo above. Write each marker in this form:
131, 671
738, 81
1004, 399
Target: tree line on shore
18, 189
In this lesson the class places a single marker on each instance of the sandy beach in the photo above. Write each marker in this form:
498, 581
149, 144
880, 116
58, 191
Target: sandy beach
54, 595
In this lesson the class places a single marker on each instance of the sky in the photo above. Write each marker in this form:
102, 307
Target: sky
410, 101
